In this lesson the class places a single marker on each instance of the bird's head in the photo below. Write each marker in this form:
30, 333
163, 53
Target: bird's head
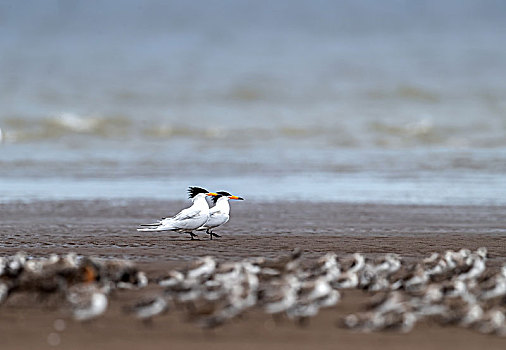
195, 191
225, 194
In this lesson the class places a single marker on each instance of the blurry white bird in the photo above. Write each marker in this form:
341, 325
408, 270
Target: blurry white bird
187, 219
219, 214
88, 300
204, 266
146, 310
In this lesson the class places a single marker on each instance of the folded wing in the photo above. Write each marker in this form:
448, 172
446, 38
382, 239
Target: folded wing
187, 219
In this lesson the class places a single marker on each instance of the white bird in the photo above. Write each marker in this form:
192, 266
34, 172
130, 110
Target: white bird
205, 266
4, 292
187, 219
219, 214
284, 295
146, 310
88, 301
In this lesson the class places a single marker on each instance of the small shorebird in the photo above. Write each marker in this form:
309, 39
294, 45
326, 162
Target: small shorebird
376, 321
220, 213
494, 286
283, 296
187, 220
145, 310
349, 277
313, 295
202, 268
88, 300
492, 321
476, 263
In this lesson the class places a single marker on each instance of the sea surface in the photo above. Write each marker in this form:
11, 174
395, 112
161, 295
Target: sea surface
348, 101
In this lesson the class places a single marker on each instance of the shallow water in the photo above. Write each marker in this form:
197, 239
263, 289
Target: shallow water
360, 102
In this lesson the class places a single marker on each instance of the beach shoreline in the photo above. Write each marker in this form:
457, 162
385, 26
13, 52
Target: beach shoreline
107, 229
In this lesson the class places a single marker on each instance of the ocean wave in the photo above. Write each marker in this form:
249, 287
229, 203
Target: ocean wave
371, 133
405, 92
418, 132
19, 130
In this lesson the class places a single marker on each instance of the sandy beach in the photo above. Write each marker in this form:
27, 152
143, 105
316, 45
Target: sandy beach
348, 127
107, 229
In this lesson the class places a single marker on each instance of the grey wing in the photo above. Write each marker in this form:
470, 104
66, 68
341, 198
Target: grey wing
215, 214
186, 214
190, 219
216, 219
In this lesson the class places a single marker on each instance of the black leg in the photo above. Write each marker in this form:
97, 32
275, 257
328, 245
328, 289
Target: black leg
215, 235
193, 235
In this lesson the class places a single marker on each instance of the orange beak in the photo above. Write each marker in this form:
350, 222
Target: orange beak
211, 194
237, 198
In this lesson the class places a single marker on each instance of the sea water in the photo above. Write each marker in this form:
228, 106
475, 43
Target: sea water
387, 102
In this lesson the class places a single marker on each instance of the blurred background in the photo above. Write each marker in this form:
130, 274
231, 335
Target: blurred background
355, 101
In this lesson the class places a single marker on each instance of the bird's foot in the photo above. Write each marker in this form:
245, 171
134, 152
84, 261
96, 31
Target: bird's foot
212, 234
194, 237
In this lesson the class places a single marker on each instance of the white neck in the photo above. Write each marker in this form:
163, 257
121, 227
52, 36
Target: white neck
223, 205
200, 200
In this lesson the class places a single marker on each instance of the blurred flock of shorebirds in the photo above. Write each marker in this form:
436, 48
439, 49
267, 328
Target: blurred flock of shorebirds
454, 288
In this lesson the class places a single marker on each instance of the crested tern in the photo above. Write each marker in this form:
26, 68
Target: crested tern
220, 213
187, 219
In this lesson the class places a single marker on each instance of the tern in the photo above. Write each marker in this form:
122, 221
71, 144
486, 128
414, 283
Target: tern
187, 219
219, 214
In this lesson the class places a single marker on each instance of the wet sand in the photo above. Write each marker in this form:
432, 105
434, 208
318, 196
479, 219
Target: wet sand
107, 229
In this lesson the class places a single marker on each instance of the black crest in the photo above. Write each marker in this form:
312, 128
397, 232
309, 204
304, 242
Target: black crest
224, 193
220, 194
193, 191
